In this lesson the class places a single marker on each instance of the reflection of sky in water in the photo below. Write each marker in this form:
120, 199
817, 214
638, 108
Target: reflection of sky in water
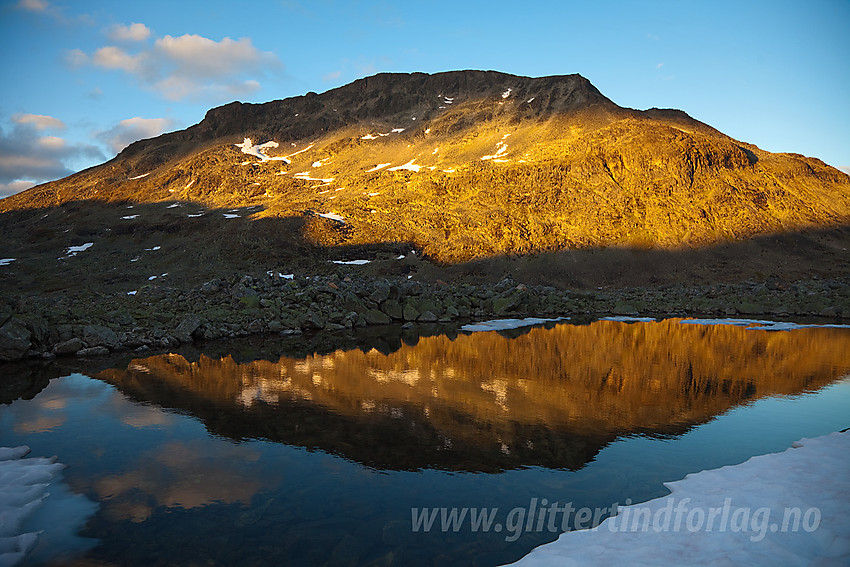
166, 486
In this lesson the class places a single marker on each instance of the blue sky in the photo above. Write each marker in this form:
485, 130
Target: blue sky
80, 80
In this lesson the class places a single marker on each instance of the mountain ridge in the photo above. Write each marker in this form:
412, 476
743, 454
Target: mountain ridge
470, 164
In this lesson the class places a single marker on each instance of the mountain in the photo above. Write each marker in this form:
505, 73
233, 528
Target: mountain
462, 165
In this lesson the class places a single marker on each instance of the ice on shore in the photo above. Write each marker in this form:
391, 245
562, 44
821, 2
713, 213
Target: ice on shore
786, 508
750, 324
760, 324
504, 324
35, 524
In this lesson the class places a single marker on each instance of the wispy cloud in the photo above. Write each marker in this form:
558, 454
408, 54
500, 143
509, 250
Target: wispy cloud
33, 5
45, 8
660, 65
132, 129
333, 75
652, 36
187, 66
29, 155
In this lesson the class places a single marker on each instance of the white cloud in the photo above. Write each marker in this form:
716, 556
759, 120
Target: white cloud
133, 32
39, 121
188, 65
111, 57
27, 157
132, 129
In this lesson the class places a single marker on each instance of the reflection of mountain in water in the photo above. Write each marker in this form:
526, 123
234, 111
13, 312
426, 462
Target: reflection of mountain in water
551, 397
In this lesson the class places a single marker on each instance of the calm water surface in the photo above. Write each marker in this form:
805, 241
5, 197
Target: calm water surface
310, 460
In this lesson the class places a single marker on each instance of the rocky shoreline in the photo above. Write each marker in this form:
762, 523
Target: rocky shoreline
44, 327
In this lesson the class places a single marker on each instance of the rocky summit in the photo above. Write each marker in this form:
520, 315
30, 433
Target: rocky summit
462, 177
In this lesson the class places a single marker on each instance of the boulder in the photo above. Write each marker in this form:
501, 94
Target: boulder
14, 340
71, 346
375, 317
98, 335
187, 328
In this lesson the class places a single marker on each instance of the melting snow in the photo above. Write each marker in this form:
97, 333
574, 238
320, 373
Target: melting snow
252, 150
6, 261
503, 324
72, 250
449, 171
134, 292
427, 130
151, 278
397, 130
501, 149
189, 184
230, 216
379, 166
154, 249
507, 93
410, 166
332, 216
300, 151
305, 176
24, 489
130, 217
351, 262
195, 216
529, 100
175, 205
320, 163
373, 194
813, 475
281, 275
138, 176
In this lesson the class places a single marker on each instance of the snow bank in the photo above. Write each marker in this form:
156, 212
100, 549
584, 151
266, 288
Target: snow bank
249, 148
6, 261
73, 250
34, 523
377, 167
130, 217
351, 262
504, 324
410, 166
786, 508
332, 216
138, 176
